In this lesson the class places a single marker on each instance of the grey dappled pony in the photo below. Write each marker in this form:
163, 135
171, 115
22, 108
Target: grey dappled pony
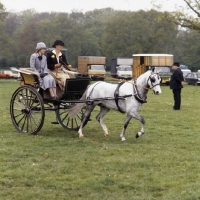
129, 99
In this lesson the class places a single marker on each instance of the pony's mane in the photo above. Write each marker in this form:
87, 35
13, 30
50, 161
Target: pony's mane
147, 73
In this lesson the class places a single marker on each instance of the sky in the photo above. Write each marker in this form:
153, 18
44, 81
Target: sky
86, 5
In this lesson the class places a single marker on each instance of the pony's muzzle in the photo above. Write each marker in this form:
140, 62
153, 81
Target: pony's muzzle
156, 92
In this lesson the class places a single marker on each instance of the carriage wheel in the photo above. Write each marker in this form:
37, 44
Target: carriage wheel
65, 120
27, 110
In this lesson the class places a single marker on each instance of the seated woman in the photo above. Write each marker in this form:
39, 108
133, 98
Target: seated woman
38, 63
58, 65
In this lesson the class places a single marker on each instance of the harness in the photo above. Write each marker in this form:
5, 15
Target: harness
152, 79
116, 95
135, 94
88, 98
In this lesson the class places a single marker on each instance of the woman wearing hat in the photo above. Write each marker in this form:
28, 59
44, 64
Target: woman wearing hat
58, 64
38, 63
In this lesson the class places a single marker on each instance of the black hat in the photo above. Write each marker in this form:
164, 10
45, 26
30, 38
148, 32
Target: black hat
176, 64
58, 42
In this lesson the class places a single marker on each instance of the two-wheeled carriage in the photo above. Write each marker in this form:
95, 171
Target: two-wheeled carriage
29, 103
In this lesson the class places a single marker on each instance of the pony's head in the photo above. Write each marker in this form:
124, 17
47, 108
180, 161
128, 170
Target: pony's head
154, 81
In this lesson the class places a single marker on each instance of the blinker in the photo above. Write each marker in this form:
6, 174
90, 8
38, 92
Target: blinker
152, 79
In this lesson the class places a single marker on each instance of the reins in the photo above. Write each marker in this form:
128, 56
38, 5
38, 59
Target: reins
122, 80
131, 82
115, 79
65, 65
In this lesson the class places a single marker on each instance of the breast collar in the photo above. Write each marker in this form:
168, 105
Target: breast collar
136, 94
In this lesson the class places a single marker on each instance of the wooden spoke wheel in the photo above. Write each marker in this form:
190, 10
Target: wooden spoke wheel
27, 110
65, 120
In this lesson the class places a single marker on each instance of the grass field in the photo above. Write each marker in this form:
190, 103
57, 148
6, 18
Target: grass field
55, 164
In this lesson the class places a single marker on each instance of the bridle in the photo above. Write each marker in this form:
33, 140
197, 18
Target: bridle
152, 80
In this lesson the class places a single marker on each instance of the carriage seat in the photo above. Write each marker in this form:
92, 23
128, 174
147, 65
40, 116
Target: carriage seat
29, 77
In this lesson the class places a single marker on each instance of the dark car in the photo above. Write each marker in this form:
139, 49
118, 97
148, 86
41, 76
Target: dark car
193, 78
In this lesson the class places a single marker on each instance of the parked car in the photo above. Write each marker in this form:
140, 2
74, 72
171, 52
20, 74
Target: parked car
8, 74
193, 78
185, 72
183, 67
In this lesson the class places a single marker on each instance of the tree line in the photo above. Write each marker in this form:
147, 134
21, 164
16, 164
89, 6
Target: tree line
100, 32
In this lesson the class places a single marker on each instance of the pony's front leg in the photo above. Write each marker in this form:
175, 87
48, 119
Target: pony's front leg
141, 119
99, 117
127, 120
141, 132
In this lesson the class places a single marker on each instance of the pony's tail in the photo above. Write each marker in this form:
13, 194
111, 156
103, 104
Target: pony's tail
73, 111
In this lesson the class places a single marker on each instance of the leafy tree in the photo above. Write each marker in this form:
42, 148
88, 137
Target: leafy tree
27, 41
5, 41
96, 21
190, 49
187, 44
102, 32
188, 17
138, 32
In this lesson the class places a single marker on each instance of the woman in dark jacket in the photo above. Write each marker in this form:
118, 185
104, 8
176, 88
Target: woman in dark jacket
58, 65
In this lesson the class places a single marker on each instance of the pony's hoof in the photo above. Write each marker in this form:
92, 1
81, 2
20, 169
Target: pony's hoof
123, 140
81, 136
105, 135
139, 134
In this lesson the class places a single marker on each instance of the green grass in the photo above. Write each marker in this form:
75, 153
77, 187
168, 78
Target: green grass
55, 164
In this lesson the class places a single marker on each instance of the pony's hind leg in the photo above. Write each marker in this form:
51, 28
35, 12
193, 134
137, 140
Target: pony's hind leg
86, 115
127, 120
99, 117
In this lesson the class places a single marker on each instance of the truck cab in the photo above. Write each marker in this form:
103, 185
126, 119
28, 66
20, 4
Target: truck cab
93, 66
124, 71
121, 67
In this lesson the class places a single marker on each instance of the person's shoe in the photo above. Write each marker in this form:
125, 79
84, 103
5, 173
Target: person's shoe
175, 109
53, 98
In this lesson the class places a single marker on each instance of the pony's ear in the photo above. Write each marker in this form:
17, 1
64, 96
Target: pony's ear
152, 68
160, 70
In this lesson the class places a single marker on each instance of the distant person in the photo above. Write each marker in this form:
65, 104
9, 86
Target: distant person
58, 65
176, 84
38, 63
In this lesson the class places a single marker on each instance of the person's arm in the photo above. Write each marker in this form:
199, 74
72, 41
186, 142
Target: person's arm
182, 78
65, 63
45, 65
64, 59
32, 63
178, 75
50, 64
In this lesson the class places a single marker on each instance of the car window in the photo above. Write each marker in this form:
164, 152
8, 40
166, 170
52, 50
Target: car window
7, 72
192, 75
183, 67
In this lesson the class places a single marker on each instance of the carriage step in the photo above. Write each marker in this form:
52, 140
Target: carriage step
55, 122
